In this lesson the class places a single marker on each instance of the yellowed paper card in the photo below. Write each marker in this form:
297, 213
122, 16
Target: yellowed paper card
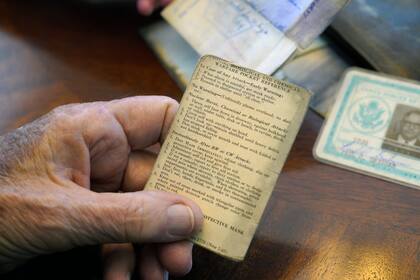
226, 147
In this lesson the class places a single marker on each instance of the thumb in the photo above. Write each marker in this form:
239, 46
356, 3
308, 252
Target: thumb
139, 217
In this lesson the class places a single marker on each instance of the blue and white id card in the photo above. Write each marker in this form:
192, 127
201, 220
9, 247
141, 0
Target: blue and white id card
374, 128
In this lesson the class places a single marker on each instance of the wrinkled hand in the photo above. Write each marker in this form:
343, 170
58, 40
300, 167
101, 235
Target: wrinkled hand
74, 178
146, 7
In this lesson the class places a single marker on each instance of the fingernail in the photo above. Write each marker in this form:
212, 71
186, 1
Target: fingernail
180, 220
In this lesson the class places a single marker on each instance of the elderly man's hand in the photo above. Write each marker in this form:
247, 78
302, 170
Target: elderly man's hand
146, 7
74, 178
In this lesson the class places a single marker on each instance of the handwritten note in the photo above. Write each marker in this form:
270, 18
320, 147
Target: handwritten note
316, 17
231, 29
301, 20
259, 34
282, 14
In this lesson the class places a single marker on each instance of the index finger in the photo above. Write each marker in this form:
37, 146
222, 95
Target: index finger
145, 119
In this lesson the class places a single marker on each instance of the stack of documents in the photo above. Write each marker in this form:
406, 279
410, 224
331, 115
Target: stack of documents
257, 34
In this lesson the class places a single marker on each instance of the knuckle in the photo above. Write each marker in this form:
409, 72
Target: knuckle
71, 116
134, 216
63, 116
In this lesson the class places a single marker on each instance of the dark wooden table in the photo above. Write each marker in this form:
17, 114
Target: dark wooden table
320, 223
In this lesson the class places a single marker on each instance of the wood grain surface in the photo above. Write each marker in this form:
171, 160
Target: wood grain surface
320, 223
